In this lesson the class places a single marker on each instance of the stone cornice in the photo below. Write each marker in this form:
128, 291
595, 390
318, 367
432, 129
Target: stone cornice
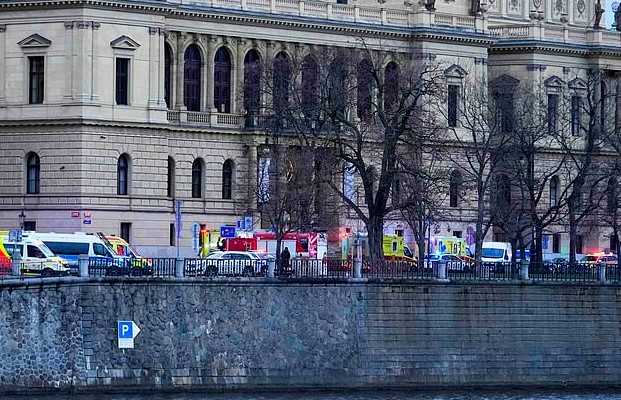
530, 45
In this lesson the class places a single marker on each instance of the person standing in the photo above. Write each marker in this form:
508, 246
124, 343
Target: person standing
284, 261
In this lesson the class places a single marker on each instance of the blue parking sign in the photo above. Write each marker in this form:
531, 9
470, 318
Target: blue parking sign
125, 330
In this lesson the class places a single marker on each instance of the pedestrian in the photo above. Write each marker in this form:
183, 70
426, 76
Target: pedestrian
284, 260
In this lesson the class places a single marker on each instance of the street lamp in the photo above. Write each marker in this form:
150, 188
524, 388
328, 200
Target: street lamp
22, 219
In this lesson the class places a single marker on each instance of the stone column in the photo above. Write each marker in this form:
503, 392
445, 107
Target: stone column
69, 60
155, 67
82, 76
83, 265
95, 64
209, 74
3, 61
238, 85
617, 86
178, 103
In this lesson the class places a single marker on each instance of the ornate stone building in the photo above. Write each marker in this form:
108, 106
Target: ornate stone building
112, 112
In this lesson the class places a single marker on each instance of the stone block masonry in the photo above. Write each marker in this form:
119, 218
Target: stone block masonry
240, 334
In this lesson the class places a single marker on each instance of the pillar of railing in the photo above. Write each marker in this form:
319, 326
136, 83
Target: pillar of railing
83, 265
179, 268
442, 271
17, 263
601, 269
524, 270
271, 266
357, 267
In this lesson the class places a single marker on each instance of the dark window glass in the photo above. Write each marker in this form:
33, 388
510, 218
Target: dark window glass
34, 251
30, 225
454, 188
197, 178
505, 108
222, 80
579, 244
282, 77
122, 81
391, 86
168, 61
37, 76
33, 174
252, 82
172, 233
337, 96
100, 250
554, 187
341, 1
612, 196
192, 78
67, 248
310, 87
576, 105
365, 90
227, 179
170, 187
126, 228
453, 104
603, 105
122, 173
552, 113
556, 243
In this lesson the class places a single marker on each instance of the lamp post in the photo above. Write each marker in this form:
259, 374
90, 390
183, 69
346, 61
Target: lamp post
22, 219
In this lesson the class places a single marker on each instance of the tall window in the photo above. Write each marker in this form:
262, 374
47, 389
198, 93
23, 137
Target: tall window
122, 175
227, 179
172, 235
556, 243
192, 78
503, 194
505, 110
612, 195
579, 244
454, 188
170, 187
310, 87
122, 81
603, 105
391, 85
453, 105
552, 119
168, 60
365, 90
36, 78
252, 82
281, 81
33, 170
576, 105
554, 189
222, 80
197, 178
126, 231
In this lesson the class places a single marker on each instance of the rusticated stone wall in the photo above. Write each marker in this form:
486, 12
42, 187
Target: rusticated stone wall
199, 335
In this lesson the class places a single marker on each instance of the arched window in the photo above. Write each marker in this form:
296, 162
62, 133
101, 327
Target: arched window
222, 80
33, 171
122, 175
503, 194
192, 78
454, 188
337, 97
365, 89
227, 179
282, 78
391, 85
310, 87
170, 187
197, 178
252, 82
554, 188
612, 195
168, 60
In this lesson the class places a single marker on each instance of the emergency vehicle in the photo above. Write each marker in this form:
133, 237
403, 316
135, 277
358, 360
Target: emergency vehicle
451, 245
123, 249
393, 247
37, 258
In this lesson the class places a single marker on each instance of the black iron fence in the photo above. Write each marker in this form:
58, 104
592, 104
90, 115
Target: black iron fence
341, 269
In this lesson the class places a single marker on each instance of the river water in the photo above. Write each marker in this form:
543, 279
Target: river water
379, 395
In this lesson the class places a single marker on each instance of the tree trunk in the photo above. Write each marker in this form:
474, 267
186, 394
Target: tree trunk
375, 230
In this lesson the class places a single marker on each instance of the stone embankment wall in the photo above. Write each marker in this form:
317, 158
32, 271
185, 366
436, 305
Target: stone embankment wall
251, 335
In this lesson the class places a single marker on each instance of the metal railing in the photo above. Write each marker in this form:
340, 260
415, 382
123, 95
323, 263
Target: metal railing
302, 268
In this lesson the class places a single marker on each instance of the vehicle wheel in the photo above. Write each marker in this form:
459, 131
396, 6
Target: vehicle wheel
46, 273
248, 271
212, 270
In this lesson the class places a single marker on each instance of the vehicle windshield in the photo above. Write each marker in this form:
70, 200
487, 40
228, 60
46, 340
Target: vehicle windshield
492, 253
46, 250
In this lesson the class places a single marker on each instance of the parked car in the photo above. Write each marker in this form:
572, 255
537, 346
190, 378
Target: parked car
453, 262
233, 263
595, 259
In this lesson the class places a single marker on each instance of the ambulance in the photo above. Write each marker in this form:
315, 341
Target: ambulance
123, 249
37, 258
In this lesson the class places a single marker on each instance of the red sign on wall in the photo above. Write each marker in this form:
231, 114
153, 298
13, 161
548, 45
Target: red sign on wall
75, 214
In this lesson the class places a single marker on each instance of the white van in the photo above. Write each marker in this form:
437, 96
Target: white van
496, 252
71, 245
37, 258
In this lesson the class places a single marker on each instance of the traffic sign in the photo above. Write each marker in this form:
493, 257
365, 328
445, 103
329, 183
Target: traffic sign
178, 204
127, 332
15, 235
87, 222
227, 231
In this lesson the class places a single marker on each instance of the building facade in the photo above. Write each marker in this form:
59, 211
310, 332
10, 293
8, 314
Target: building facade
121, 116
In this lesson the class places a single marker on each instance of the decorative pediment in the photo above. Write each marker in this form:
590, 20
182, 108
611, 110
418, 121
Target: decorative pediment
504, 83
455, 71
577, 84
124, 43
35, 40
554, 82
